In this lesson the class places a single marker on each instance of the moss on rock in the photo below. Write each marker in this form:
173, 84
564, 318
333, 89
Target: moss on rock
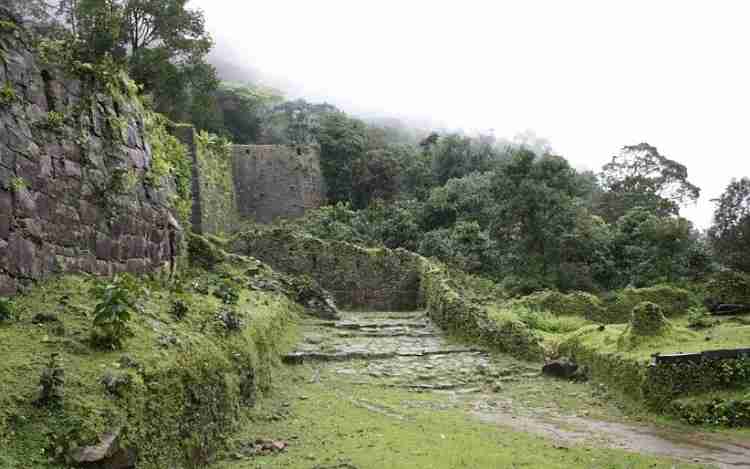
202, 252
648, 319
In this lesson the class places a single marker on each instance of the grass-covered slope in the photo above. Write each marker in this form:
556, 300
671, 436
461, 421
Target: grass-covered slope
175, 388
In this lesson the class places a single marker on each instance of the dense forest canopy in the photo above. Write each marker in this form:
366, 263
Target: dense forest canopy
513, 211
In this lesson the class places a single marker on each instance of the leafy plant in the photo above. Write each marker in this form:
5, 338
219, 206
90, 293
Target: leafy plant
230, 319
18, 184
53, 121
6, 309
7, 94
52, 382
698, 318
179, 309
117, 302
228, 292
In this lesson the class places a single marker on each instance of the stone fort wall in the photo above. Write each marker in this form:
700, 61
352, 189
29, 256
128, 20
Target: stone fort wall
74, 196
277, 181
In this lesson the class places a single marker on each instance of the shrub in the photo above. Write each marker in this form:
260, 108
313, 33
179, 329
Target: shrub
6, 309
203, 253
230, 319
52, 382
7, 95
698, 318
117, 301
179, 309
54, 121
549, 322
728, 286
672, 301
648, 319
580, 304
228, 292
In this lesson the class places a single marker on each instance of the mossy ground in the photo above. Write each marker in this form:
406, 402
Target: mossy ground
330, 423
184, 364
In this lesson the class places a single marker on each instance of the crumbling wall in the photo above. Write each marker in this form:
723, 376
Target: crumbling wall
277, 181
358, 278
214, 209
74, 160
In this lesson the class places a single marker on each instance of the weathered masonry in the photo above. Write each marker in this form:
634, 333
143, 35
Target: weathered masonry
73, 164
277, 181
250, 183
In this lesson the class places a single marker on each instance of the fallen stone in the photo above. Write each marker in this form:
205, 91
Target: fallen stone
106, 454
562, 368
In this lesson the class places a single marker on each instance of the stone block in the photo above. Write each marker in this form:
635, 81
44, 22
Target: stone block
6, 213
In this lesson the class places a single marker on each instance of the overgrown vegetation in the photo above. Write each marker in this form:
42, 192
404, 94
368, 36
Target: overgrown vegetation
118, 300
172, 390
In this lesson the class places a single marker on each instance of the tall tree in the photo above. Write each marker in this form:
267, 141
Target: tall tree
535, 208
343, 141
641, 177
730, 234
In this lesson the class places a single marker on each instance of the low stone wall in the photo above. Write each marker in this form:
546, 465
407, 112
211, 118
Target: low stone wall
74, 195
387, 280
464, 318
358, 278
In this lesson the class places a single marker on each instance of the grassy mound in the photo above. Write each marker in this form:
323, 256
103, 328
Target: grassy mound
672, 300
584, 305
202, 347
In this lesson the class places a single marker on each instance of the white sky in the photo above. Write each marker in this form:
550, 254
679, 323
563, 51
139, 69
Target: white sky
590, 76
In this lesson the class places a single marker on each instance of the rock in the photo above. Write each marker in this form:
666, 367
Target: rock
44, 318
115, 383
106, 454
562, 368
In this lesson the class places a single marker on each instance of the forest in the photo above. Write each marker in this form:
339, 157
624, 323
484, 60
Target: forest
513, 212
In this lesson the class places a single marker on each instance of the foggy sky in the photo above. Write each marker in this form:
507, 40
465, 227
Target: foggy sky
590, 76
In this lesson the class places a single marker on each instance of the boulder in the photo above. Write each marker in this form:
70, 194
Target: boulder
106, 454
562, 368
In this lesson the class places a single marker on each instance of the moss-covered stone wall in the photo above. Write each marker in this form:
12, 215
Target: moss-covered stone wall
359, 278
454, 312
214, 209
277, 181
77, 187
384, 279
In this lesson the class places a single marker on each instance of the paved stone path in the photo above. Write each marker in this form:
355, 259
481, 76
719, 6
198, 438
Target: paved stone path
407, 350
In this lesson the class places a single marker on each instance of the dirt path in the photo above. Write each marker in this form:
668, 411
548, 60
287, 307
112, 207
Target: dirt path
405, 350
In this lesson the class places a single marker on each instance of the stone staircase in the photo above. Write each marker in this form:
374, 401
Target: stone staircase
400, 350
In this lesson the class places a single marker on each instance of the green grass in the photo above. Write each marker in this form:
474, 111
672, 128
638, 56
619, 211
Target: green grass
332, 423
203, 353
678, 339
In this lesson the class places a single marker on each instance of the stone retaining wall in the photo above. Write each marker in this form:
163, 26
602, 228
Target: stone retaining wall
358, 278
73, 160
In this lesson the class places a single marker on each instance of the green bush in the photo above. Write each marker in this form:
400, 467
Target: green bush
580, 304
228, 292
728, 412
6, 309
7, 95
547, 321
117, 301
728, 287
203, 253
698, 318
648, 319
672, 300
52, 383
